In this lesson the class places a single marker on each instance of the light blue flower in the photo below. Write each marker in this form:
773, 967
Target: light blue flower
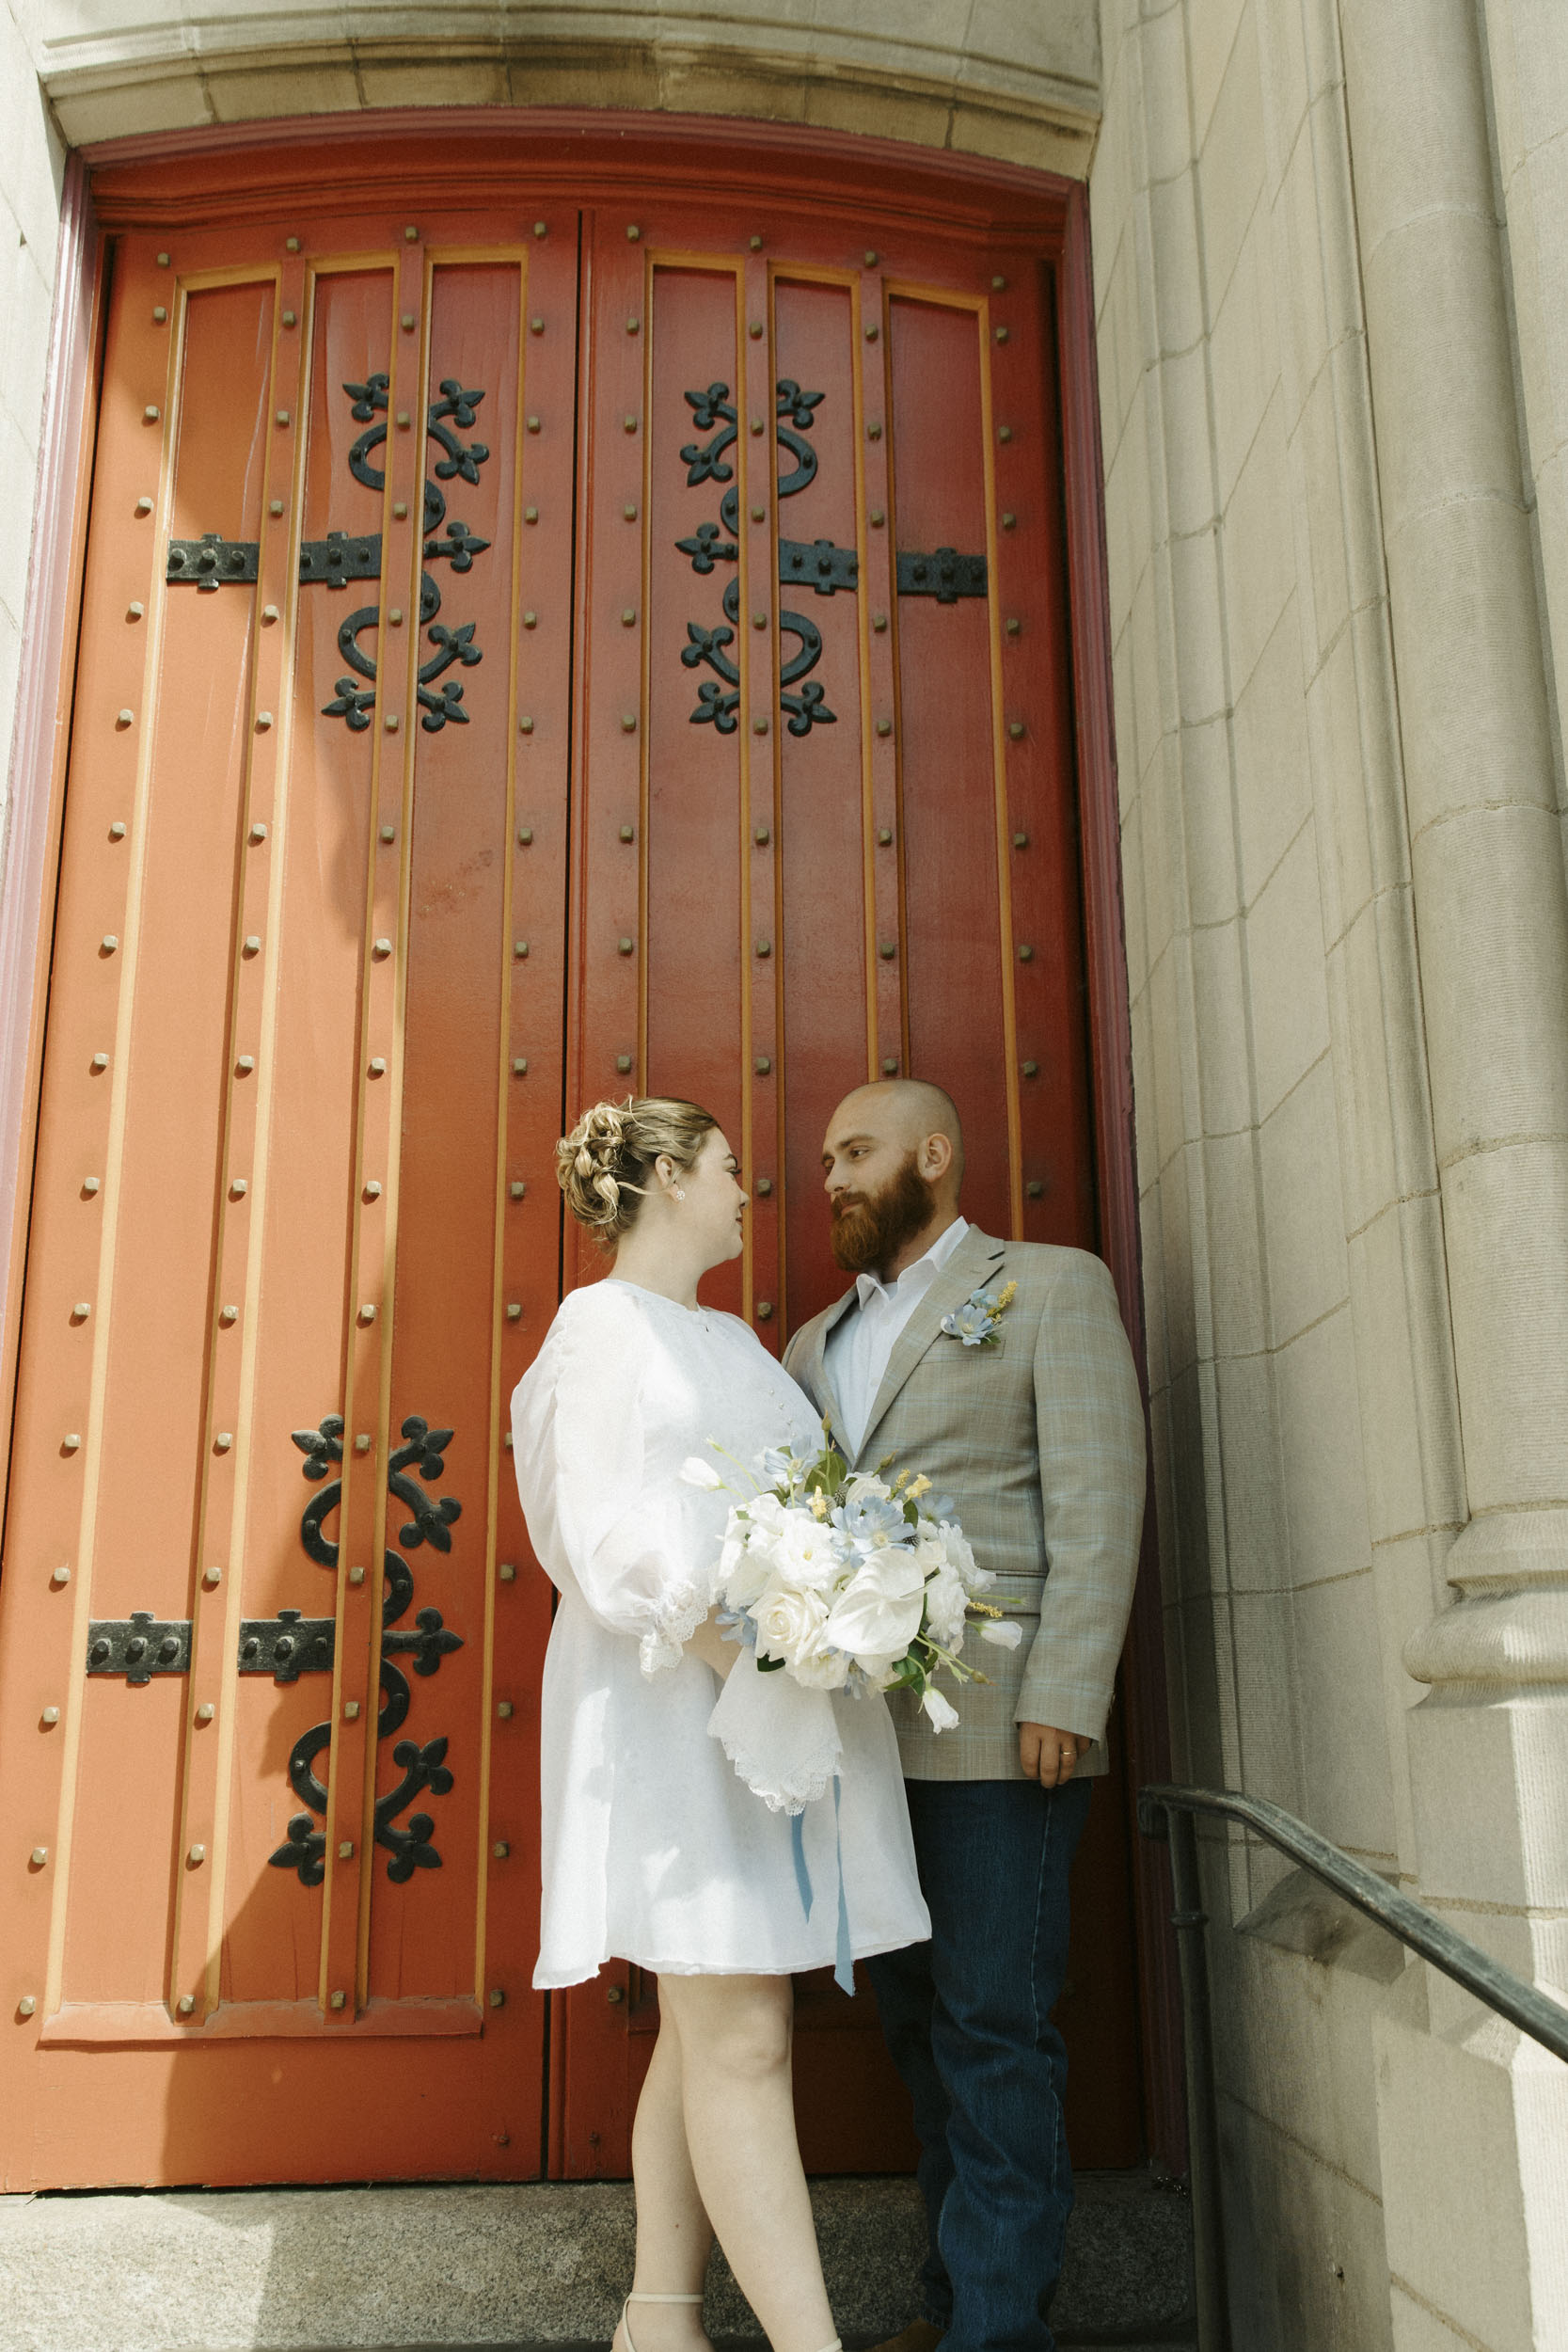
972, 1323
779, 1466
870, 1524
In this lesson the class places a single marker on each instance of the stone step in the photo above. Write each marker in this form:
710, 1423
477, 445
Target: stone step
543, 2265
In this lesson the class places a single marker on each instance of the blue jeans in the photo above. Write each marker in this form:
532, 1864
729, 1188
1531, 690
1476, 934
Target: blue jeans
967, 2018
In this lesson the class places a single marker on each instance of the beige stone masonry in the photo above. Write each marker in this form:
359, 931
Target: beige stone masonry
1002, 78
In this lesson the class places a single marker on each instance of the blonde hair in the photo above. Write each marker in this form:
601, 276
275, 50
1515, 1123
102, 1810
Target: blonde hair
606, 1165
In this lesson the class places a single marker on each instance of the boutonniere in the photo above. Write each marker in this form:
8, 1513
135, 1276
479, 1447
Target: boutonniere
978, 1321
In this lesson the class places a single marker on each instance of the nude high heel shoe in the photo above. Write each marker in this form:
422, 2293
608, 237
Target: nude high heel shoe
649, 2298
835, 2347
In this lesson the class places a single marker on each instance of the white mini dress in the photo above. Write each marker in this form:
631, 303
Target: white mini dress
656, 1849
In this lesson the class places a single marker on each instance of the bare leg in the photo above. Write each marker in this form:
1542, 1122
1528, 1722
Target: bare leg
734, 2049
675, 2236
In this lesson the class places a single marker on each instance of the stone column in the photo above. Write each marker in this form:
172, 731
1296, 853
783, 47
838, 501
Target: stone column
1474, 2129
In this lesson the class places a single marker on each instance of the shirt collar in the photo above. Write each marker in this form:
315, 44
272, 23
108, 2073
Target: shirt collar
922, 1274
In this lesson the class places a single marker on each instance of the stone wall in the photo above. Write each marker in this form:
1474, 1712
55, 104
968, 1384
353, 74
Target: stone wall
1339, 764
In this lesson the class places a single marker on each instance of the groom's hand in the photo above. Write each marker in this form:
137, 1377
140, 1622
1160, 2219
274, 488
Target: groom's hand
1049, 1756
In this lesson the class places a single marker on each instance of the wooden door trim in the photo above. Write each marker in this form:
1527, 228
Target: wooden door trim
41, 741
583, 155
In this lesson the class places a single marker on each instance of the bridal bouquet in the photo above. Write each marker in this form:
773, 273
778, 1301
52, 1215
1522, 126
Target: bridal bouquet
845, 1581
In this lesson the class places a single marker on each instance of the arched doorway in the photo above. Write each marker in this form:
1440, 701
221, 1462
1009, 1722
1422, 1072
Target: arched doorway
555, 620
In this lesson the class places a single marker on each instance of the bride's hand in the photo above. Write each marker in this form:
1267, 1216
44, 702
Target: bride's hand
709, 1644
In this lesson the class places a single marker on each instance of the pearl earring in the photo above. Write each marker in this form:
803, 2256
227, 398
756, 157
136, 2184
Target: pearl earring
676, 1190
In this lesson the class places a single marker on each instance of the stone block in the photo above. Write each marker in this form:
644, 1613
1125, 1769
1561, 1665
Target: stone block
1285, 966
1343, 704
1490, 1801
246, 91
19, 469
1323, 1475
1282, 70
1170, 994
1220, 1026
1229, 147
125, 105
1303, 1221
1348, 1795
1274, 783
1317, 452
1208, 815
1408, 1404
1129, 514
1259, 547
1308, 2271
1255, 1533
1266, 1719
1174, 272
1459, 2235
24, 348
1181, 391
1119, 344
1244, 355
1506, 1215
1160, 807
1143, 652
1199, 627
1213, 31
1167, 134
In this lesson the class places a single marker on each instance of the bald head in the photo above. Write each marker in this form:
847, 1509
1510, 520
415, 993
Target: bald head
906, 1112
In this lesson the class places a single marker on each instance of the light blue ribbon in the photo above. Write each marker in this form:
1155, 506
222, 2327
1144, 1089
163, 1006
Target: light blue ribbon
844, 1963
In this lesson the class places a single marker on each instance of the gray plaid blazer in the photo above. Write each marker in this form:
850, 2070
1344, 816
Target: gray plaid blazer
1039, 1441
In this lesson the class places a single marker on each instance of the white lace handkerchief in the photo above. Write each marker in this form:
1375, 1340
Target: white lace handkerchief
781, 1739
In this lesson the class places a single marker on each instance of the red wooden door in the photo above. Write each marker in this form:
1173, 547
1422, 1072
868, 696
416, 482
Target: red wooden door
529, 651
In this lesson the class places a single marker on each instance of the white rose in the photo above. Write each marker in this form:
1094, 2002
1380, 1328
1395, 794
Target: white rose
877, 1615
943, 1718
1005, 1632
945, 1603
822, 1667
697, 1473
864, 1488
787, 1622
808, 1553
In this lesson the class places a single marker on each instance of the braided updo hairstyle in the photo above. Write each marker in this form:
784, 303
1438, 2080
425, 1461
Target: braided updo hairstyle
606, 1165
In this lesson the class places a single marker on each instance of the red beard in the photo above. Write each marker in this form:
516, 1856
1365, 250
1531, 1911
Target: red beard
869, 1229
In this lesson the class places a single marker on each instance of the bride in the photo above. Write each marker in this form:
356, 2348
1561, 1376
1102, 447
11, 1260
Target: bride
656, 1849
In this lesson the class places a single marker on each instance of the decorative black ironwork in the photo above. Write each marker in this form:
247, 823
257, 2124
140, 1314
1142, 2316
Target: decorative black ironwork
817, 564
946, 575
139, 1646
424, 1643
719, 697
212, 562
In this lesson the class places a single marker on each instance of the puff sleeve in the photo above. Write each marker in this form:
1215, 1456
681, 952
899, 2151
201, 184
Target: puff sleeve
603, 1508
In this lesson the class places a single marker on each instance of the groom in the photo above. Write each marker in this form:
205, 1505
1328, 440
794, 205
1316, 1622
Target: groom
1037, 1435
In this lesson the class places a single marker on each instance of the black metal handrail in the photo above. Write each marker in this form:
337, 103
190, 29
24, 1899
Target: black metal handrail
1168, 1813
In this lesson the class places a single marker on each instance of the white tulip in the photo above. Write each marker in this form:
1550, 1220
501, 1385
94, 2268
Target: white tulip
697, 1473
943, 1718
1005, 1632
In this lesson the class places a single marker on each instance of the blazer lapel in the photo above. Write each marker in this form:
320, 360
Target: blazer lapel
817, 1381
969, 1268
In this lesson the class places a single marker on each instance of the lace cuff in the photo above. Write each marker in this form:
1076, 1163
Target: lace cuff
783, 1738
677, 1613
